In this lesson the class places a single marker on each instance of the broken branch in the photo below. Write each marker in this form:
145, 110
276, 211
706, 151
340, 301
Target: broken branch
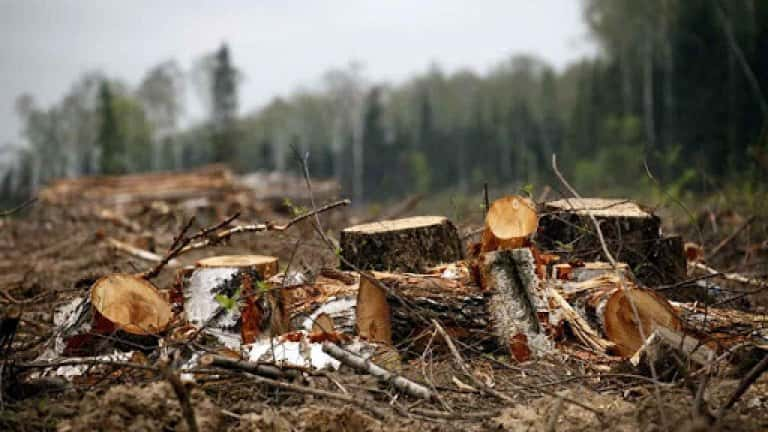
398, 381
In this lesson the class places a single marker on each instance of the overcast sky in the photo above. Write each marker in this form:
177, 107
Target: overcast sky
279, 45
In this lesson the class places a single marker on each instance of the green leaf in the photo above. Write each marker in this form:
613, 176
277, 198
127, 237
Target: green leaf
527, 190
262, 286
225, 302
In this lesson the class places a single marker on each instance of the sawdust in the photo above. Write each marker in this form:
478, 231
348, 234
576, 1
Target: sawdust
152, 407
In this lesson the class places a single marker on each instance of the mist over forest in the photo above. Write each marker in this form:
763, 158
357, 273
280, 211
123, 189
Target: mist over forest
675, 96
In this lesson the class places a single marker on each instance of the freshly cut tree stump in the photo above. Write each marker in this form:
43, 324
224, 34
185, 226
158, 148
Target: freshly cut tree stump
509, 222
632, 234
607, 304
219, 285
408, 245
131, 303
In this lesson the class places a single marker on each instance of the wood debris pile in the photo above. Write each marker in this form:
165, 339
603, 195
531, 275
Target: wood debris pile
535, 287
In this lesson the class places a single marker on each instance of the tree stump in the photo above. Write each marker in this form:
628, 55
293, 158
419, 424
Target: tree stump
408, 245
632, 234
220, 295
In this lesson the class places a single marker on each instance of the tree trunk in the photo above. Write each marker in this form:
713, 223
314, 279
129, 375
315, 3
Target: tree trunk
515, 302
408, 245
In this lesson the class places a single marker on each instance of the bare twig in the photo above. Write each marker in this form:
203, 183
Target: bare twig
735, 277
183, 395
267, 370
463, 366
730, 238
84, 361
182, 233
366, 365
496, 393
18, 208
223, 235
136, 252
348, 398
744, 385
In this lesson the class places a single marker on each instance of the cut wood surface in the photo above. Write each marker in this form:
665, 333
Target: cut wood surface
510, 220
609, 303
131, 303
373, 314
266, 266
410, 244
599, 207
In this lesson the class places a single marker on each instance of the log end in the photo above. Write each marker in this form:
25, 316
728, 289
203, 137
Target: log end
621, 324
131, 303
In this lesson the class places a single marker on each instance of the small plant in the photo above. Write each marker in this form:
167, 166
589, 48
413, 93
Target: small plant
295, 209
262, 286
227, 302
527, 190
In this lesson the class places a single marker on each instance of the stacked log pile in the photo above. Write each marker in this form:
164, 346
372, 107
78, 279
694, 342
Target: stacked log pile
210, 181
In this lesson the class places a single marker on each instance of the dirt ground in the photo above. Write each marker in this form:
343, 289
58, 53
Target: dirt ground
49, 255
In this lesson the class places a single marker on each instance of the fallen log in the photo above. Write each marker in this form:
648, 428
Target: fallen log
611, 303
410, 245
671, 353
145, 187
503, 313
515, 301
131, 304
